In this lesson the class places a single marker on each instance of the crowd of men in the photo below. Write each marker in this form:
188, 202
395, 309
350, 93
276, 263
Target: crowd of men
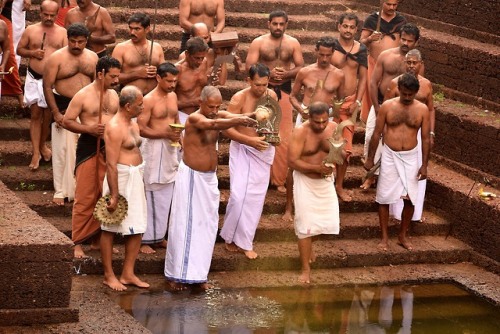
123, 144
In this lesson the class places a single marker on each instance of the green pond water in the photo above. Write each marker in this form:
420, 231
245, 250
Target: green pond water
402, 309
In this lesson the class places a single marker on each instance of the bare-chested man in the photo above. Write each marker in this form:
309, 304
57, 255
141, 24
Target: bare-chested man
194, 216
351, 58
321, 82
138, 61
192, 77
90, 164
413, 65
66, 72
124, 172
316, 203
210, 12
97, 20
390, 64
250, 159
37, 43
283, 55
379, 37
400, 120
219, 75
160, 110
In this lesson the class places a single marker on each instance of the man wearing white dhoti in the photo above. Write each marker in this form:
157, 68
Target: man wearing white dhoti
250, 159
315, 198
194, 215
124, 177
400, 119
160, 110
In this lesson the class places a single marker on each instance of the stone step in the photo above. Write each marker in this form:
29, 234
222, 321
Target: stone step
284, 256
353, 225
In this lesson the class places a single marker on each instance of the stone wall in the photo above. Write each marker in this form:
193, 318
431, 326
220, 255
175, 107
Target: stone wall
35, 265
479, 15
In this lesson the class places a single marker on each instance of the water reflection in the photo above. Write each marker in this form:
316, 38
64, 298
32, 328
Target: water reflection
404, 309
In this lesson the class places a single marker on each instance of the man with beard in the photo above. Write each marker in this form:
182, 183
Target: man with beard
97, 20
351, 58
413, 64
250, 159
381, 31
192, 77
91, 167
204, 11
400, 119
279, 52
322, 82
138, 61
316, 203
37, 43
390, 64
160, 110
66, 72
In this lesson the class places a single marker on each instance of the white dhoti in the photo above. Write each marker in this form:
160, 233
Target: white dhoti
160, 168
18, 25
398, 176
193, 226
130, 186
396, 209
370, 127
316, 206
63, 161
249, 175
33, 91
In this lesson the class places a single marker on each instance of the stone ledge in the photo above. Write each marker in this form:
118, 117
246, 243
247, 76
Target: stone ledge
11, 317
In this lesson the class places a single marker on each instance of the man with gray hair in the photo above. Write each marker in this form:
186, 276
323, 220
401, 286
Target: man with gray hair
124, 172
194, 216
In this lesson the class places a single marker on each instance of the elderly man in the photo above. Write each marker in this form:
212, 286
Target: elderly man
37, 43
124, 169
194, 216
66, 72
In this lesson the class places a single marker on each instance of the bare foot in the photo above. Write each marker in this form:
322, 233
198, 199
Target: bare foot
282, 189
206, 286
251, 254
58, 201
176, 286
383, 246
79, 253
46, 153
368, 183
97, 247
232, 247
114, 284
134, 280
146, 249
35, 162
405, 243
162, 244
344, 195
305, 277
287, 216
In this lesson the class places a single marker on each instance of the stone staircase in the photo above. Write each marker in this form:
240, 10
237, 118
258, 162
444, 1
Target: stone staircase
460, 227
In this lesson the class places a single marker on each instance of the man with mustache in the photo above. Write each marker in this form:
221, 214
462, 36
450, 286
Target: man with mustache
138, 61
400, 119
67, 70
97, 20
160, 110
37, 43
282, 53
413, 65
90, 169
390, 64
